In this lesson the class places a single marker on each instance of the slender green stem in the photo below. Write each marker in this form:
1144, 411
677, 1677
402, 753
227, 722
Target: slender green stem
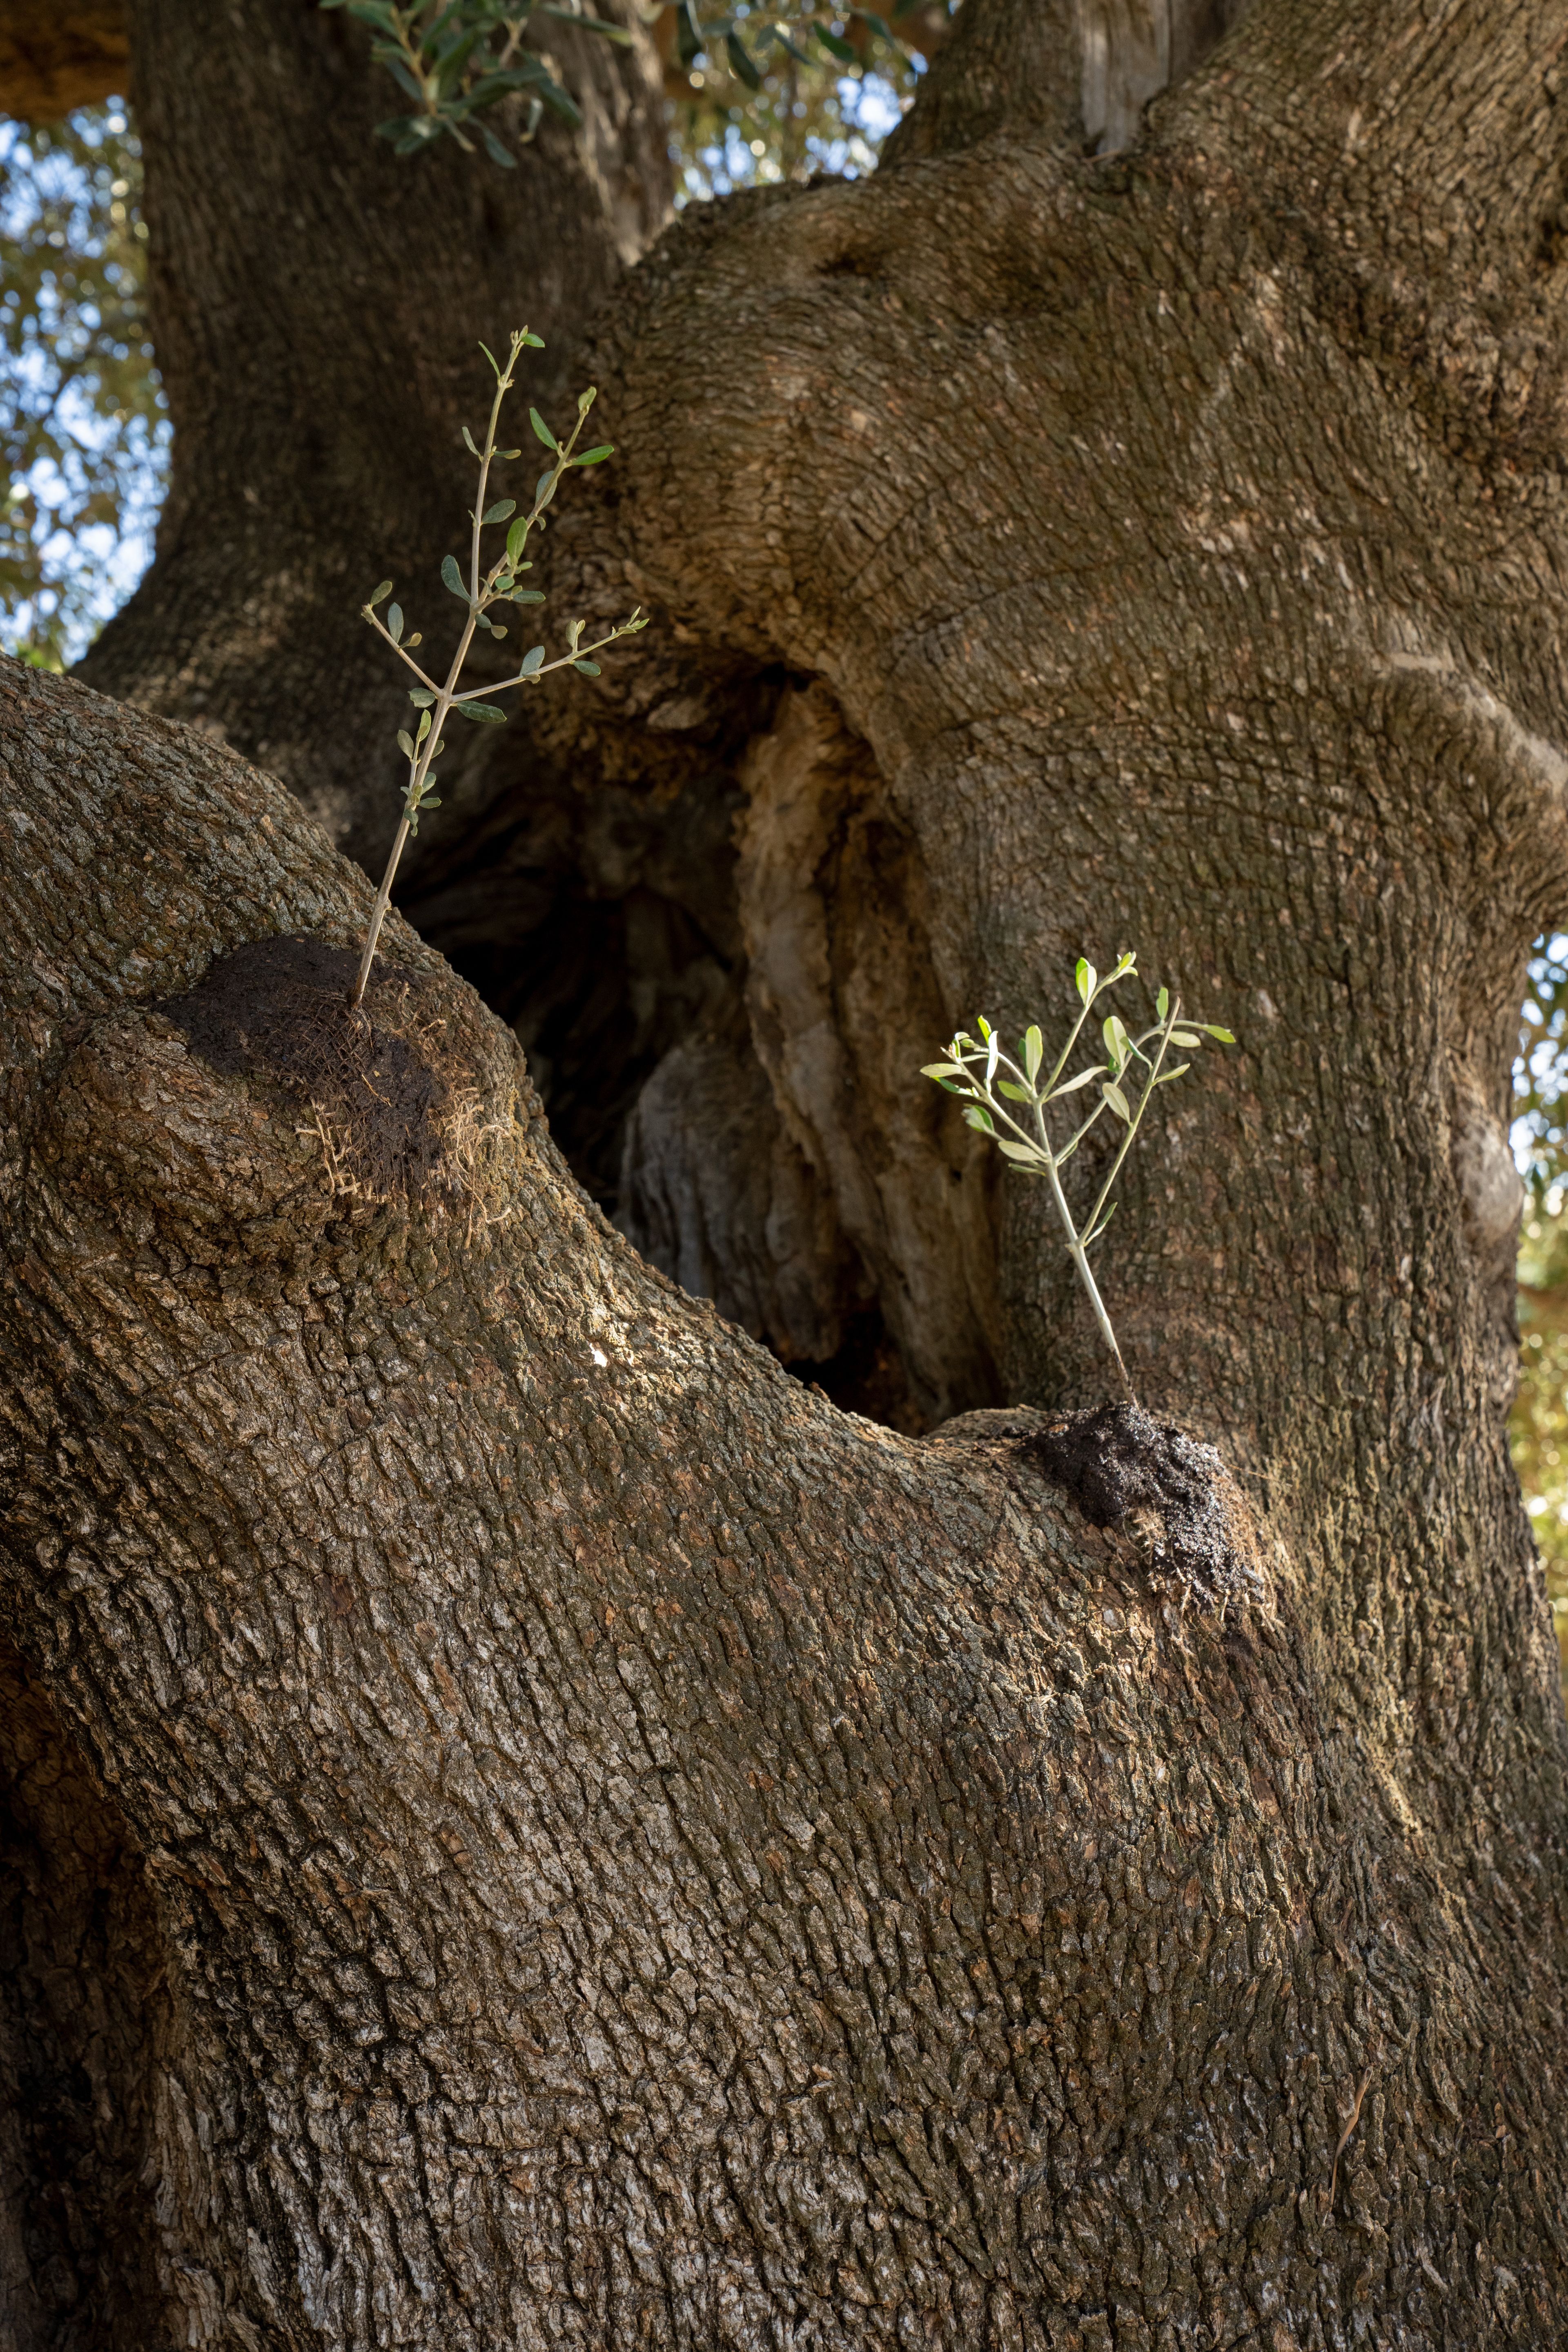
1133, 1123
1086, 1276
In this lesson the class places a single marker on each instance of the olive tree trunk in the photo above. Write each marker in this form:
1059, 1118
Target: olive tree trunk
531, 1826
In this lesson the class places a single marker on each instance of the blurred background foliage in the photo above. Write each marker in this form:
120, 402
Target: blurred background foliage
80, 405
1539, 1430
758, 96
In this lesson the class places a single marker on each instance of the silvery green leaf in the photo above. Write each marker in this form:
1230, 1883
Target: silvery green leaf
428, 800
1086, 978
469, 441
384, 590
1166, 1075
516, 541
1163, 1004
405, 742
394, 622
481, 713
1071, 1086
1027, 1152
531, 661
420, 696
1013, 1093
1212, 1029
423, 726
981, 1119
542, 430
941, 1070
1185, 1038
1118, 1101
1034, 1053
993, 1049
499, 511
1117, 1046
596, 457
453, 577
527, 596
589, 669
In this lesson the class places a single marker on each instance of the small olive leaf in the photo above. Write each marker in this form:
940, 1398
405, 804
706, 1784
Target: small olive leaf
516, 541
533, 342
469, 441
1071, 1086
420, 696
1166, 1075
983, 1026
1034, 1053
596, 457
589, 669
429, 800
1212, 1029
1118, 1101
941, 1070
405, 742
835, 45
1013, 1093
1087, 978
424, 725
544, 490
496, 629
542, 430
531, 661
1162, 1003
394, 622
526, 596
1185, 1038
993, 1049
416, 639
499, 511
453, 577
980, 1119
1115, 1037
1100, 1227
482, 713
384, 590
1025, 1151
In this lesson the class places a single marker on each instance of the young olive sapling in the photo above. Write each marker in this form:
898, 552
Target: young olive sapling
989, 1079
487, 587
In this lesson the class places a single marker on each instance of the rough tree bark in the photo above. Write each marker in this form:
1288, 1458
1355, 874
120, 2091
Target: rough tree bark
529, 1825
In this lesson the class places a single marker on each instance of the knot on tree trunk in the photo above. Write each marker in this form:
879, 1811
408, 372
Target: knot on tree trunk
255, 1115
1170, 1495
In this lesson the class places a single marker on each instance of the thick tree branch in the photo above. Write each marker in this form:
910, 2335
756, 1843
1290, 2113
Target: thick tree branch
57, 55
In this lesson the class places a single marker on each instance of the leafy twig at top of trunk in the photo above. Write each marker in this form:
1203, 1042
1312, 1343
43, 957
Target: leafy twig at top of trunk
972, 1070
456, 57
485, 587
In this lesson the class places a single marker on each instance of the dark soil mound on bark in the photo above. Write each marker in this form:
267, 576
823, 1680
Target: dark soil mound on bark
1171, 1495
279, 1008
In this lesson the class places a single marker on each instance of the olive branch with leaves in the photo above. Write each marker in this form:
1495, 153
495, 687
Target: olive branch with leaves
974, 1070
485, 587
455, 58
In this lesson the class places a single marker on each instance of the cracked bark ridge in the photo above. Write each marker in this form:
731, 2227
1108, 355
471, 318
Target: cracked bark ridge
638, 1856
